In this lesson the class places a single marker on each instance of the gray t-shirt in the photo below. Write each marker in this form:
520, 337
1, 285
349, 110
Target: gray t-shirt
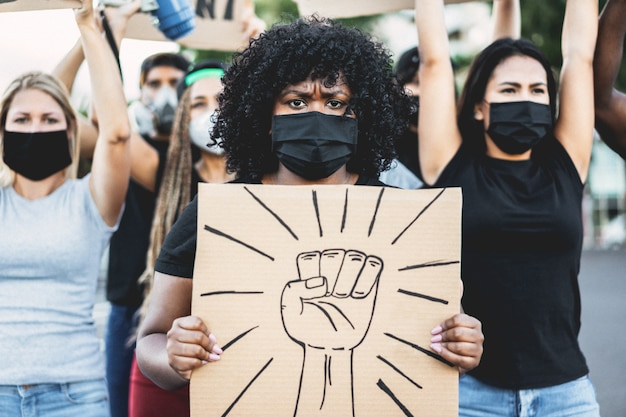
50, 254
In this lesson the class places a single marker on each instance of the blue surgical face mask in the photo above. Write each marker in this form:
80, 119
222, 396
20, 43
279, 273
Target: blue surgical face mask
36, 155
314, 145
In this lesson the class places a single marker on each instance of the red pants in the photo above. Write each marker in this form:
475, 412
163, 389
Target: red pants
146, 399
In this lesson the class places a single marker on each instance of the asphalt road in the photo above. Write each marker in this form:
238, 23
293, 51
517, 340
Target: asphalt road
603, 332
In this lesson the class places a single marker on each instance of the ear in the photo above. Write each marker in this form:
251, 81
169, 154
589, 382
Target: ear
479, 109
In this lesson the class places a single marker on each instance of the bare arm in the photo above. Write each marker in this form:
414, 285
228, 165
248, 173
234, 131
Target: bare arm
439, 136
144, 158
575, 123
252, 25
66, 71
610, 103
144, 162
171, 342
111, 162
507, 21
68, 67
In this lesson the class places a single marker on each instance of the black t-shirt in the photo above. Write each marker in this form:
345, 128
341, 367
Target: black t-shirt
129, 244
408, 152
521, 248
178, 252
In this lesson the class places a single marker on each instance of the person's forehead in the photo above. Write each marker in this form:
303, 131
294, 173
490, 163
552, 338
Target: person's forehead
33, 99
164, 72
206, 87
519, 68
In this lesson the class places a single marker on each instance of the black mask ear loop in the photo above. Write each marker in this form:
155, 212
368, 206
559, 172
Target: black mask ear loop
111, 39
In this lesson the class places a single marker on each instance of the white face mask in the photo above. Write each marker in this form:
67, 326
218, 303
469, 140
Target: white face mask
200, 134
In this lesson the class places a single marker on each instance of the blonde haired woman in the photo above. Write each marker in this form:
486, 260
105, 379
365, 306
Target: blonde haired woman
54, 230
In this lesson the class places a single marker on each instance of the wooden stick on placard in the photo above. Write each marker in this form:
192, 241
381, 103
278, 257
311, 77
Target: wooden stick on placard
30, 5
353, 8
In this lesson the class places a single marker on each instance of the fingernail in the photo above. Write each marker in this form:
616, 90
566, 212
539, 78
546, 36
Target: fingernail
212, 338
436, 338
314, 282
436, 347
436, 330
213, 357
217, 349
205, 362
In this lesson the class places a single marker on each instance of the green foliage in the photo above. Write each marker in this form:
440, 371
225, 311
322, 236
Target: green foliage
272, 11
542, 22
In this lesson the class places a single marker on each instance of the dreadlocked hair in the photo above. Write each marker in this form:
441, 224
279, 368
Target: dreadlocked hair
174, 193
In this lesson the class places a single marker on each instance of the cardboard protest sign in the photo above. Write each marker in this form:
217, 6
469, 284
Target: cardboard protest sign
353, 8
353, 343
29, 5
218, 26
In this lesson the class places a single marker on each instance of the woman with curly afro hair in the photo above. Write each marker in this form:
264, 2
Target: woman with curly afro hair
311, 102
317, 51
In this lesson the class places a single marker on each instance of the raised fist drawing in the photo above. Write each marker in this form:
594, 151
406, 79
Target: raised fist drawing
331, 305
328, 311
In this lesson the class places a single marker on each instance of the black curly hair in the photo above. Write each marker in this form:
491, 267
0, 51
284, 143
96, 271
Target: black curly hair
319, 49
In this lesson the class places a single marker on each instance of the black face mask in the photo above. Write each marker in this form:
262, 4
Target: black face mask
36, 155
516, 127
313, 145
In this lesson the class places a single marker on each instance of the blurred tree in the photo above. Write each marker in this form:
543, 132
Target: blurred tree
542, 22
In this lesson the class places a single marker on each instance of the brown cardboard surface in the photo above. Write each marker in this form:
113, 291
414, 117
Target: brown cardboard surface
218, 26
26, 5
352, 8
295, 347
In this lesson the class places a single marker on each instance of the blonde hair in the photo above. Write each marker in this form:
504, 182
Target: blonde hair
54, 88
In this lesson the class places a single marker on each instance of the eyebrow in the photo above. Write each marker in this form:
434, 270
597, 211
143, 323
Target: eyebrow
518, 85
333, 91
45, 114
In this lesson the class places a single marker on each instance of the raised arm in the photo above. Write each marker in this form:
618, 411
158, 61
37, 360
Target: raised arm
439, 137
610, 103
252, 25
67, 69
575, 123
506, 18
111, 162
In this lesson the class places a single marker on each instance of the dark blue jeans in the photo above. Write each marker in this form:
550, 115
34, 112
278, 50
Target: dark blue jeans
119, 349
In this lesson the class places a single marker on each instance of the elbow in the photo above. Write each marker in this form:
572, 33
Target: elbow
121, 134
605, 97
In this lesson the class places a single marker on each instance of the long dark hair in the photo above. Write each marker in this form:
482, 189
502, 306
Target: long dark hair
479, 74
